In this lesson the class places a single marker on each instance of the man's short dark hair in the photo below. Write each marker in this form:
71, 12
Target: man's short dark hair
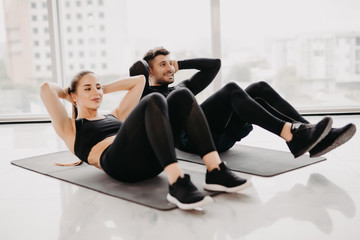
151, 54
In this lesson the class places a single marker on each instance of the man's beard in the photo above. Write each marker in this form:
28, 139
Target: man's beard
166, 81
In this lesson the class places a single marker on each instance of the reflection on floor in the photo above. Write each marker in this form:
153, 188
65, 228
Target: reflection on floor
321, 201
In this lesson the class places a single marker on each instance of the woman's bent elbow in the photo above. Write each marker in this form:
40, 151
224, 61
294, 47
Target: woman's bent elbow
45, 86
141, 79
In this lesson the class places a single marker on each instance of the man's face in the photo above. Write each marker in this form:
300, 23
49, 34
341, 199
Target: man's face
162, 70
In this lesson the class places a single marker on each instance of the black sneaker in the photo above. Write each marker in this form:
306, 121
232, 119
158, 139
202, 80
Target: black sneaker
224, 180
334, 139
306, 136
185, 195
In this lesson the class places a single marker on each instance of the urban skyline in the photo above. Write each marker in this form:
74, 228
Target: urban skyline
100, 35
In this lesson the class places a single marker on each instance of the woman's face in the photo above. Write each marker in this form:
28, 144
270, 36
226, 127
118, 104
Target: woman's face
89, 93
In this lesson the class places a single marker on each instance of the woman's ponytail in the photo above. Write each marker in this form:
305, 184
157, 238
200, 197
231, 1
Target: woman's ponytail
74, 111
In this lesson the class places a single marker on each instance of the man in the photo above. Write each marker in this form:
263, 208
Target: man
231, 111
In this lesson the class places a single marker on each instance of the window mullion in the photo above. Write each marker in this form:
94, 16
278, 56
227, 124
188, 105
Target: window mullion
55, 41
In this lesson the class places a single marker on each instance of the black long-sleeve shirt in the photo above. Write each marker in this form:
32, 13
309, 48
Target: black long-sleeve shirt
208, 68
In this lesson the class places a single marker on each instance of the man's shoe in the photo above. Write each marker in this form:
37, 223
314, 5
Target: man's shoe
335, 138
224, 180
306, 136
185, 195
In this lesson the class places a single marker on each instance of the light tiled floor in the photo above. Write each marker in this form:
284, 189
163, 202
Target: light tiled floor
320, 201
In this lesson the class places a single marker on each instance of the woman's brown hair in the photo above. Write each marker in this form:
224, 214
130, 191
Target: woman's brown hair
73, 88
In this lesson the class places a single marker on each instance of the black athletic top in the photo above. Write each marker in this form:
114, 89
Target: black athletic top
89, 133
199, 81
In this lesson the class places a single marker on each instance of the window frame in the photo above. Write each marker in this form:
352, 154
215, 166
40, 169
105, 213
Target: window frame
54, 8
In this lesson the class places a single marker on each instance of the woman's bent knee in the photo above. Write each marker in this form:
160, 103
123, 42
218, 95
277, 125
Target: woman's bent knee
156, 101
155, 98
181, 97
182, 93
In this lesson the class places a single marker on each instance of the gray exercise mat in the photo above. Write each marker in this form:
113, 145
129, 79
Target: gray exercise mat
256, 161
151, 193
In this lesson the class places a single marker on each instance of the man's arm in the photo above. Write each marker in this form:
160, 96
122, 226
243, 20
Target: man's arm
208, 67
141, 68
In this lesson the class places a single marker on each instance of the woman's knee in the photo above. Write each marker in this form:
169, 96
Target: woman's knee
181, 97
181, 94
155, 97
156, 100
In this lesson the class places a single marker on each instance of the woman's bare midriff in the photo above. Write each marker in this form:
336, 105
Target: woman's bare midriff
98, 149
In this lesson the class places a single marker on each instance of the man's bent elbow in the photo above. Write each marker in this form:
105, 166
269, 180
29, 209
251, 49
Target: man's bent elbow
218, 63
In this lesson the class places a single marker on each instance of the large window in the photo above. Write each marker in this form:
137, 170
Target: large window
25, 56
108, 36
308, 50
105, 36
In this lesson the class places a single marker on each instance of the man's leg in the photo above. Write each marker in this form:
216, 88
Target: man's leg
230, 100
267, 97
231, 96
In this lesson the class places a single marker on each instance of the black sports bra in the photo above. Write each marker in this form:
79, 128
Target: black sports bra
89, 133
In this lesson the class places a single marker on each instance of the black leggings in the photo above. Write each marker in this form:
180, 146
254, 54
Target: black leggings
144, 145
231, 108
267, 97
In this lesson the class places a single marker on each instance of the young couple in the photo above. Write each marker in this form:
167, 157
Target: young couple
137, 140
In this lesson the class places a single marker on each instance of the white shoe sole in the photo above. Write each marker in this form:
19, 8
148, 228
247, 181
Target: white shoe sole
189, 206
343, 138
221, 188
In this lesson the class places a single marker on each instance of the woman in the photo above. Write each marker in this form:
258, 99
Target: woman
135, 141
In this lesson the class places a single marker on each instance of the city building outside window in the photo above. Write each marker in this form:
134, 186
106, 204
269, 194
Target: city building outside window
308, 56
313, 61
